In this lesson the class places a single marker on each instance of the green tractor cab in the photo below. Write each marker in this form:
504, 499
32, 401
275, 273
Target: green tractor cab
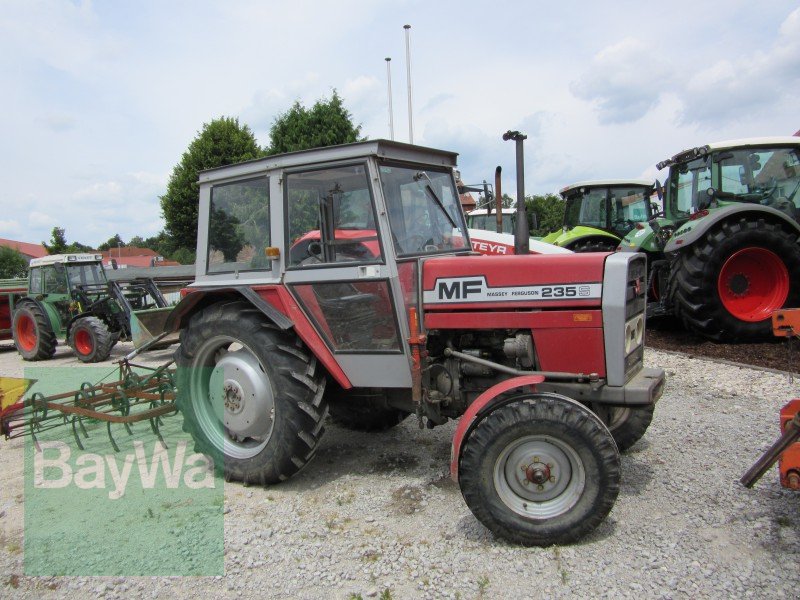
69, 298
725, 254
598, 214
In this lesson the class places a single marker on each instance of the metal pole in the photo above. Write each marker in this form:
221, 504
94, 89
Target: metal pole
521, 233
498, 199
391, 112
408, 77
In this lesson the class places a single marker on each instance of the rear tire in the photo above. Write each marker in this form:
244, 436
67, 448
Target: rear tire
726, 286
91, 340
251, 394
594, 246
540, 470
32, 332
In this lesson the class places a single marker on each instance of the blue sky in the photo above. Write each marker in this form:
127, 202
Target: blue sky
100, 99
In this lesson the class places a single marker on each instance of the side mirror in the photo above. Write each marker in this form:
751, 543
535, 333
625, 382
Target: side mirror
659, 191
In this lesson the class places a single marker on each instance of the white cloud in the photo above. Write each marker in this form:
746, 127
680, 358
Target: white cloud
624, 81
9, 227
40, 219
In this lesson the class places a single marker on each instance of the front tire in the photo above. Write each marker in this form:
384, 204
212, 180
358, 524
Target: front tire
594, 245
33, 334
627, 424
540, 470
251, 394
727, 285
91, 340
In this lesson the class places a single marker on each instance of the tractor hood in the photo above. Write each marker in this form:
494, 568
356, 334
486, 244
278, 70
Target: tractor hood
527, 281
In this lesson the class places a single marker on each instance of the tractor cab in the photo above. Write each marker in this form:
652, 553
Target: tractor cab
598, 214
63, 279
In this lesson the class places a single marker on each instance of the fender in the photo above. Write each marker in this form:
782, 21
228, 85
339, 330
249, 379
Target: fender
478, 408
688, 233
199, 298
50, 311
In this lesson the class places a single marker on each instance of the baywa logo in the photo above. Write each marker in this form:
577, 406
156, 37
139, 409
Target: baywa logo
55, 466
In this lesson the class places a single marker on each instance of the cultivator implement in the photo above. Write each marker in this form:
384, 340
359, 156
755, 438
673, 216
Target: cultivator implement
140, 393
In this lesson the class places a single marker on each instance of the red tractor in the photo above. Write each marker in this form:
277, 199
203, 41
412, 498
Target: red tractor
342, 280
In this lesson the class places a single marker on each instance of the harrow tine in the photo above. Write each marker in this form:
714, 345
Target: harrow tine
111, 437
128, 428
83, 429
75, 433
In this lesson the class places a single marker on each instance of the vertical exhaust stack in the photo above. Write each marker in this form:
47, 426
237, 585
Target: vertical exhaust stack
498, 198
521, 232
389, 94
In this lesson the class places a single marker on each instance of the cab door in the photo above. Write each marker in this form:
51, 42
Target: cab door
337, 270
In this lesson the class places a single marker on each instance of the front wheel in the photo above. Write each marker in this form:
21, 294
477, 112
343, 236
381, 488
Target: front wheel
251, 395
627, 424
540, 470
91, 340
727, 285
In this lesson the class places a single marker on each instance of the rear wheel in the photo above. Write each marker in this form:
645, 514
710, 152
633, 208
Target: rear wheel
727, 285
91, 340
32, 332
251, 394
540, 470
595, 245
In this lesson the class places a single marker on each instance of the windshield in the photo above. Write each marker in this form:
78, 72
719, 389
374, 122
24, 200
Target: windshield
424, 211
85, 274
489, 222
586, 206
629, 205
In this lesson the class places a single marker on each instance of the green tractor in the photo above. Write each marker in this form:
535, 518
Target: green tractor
69, 298
598, 214
724, 255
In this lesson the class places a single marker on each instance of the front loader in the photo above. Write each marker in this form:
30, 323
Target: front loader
342, 280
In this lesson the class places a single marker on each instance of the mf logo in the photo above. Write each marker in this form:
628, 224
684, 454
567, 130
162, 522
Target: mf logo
459, 289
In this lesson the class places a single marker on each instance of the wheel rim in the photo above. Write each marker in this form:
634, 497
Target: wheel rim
83, 342
26, 332
539, 477
753, 283
232, 398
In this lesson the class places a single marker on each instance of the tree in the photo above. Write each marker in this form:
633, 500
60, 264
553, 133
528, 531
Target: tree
12, 263
58, 242
115, 241
221, 142
327, 123
550, 211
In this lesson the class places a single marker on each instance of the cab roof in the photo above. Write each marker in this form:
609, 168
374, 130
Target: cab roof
608, 182
66, 259
756, 142
387, 149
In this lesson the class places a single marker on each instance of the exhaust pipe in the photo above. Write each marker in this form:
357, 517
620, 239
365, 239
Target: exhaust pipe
521, 232
498, 198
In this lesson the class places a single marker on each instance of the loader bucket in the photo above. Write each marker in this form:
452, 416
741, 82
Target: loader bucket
148, 324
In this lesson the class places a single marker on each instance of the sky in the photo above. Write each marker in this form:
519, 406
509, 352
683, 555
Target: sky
99, 100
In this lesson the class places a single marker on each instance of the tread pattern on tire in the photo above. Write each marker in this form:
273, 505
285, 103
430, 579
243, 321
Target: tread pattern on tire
547, 413
594, 245
102, 339
45, 336
627, 433
298, 386
692, 284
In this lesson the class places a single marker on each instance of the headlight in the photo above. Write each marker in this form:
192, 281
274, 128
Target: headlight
634, 333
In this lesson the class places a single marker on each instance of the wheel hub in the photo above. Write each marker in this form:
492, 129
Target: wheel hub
738, 284
241, 389
538, 473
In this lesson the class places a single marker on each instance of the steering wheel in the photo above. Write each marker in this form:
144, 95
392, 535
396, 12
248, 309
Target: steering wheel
413, 242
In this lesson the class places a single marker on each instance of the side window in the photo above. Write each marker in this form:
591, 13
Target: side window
331, 217
36, 281
55, 279
238, 227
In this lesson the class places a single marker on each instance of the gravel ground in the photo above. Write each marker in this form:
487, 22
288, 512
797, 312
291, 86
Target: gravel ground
376, 515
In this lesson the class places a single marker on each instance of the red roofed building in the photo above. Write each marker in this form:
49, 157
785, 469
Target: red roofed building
27, 250
133, 256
